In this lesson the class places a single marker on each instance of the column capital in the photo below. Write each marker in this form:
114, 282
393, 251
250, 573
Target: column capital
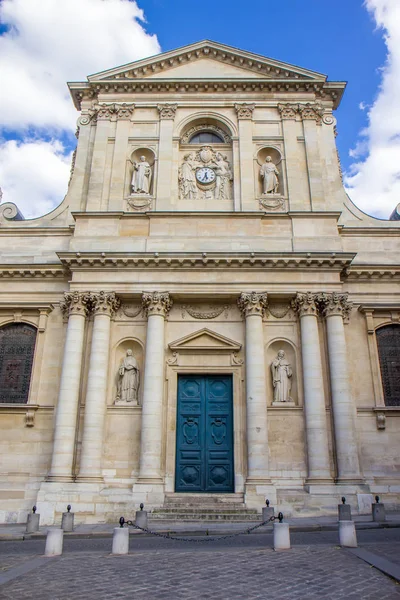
311, 112
253, 303
331, 304
305, 304
157, 303
167, 110
288, 111
245, 110
106, 112
125, 110
76, 303
104, 303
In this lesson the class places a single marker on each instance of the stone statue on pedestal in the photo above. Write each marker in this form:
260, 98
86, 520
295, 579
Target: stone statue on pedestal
129, 379
281, 372
141, 177
269, 174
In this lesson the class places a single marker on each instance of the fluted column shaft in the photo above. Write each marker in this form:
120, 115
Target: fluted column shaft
252, 306
157, 306
104, 304
335, 307
76, 304
314, 399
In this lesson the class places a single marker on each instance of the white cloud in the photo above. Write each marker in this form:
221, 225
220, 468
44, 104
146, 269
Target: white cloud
34, 175
48, 43
373, 182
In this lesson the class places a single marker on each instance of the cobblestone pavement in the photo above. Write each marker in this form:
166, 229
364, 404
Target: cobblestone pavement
247, 569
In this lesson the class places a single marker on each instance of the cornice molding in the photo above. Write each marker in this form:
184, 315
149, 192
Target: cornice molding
100, 261
33, 272
366, 273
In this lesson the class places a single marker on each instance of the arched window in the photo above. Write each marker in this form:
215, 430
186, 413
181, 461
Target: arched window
206, 137
17, 347
388, 339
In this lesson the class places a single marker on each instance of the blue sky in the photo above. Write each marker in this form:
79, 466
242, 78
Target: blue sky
43, 43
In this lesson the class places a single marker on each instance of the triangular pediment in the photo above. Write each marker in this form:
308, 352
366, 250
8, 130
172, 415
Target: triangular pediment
207, 60
205, 340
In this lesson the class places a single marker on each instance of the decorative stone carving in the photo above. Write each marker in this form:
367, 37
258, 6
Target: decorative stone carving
335, 304
106, 112
106, 303
174, 359
205, 126
129, 380
288, 111
157, 303
208, 314
245, 110
76, 303
380, 420
167, 111
235, 360
139, 203
217, 188
305, 304
125, 111
279, 310
270, 203
311, 112
131, 310
329, 119
187, 178
269, 175
141, 177
253, 303
281, 372
30, 418
223, 176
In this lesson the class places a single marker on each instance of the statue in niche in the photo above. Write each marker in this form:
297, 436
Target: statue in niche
223, 176
269, 174
187, 178
129, 379
141, 177
281, 372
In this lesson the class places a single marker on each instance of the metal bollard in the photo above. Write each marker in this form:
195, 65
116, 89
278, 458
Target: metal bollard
378, 511
344, 511
347, 534
54, 542
141, 517
267, 511
67, 521
32, 523
281, 534
120, 543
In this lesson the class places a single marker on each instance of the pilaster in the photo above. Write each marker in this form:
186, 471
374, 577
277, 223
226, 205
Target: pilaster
165, 152
119, 164
244, 113
311, 115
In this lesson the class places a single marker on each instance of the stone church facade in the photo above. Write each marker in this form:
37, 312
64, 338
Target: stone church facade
206, 312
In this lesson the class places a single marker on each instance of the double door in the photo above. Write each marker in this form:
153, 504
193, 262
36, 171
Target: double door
204, 439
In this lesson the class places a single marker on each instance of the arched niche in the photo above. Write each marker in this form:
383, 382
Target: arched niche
276, 159
134, 158
119, 354
291, 355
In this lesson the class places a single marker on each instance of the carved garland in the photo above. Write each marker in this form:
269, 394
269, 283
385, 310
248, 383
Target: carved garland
211, 314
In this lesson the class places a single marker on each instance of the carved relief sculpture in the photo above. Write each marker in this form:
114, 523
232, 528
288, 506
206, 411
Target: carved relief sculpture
187, 178
281, 372
223, 174
141, 177
269, 174
129, 379
206, 174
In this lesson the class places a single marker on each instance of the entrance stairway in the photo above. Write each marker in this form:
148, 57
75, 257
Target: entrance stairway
204, 507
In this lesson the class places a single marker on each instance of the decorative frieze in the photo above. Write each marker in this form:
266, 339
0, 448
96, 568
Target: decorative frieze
305, 304
210, 313
157, 303
106, 303
335, 304
167, 110
106, 112
288, 111
253, 303
244, 110
76, 303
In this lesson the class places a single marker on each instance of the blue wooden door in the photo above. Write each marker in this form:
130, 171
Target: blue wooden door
204, 438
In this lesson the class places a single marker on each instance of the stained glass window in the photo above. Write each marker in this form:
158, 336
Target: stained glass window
388, 338
17, 348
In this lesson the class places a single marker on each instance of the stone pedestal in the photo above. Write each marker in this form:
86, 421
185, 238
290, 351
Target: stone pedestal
378, 512
141, 519
281, 536
347, 534
67, 521
120, 543
54, 542
32, 523
267, 512
344, 512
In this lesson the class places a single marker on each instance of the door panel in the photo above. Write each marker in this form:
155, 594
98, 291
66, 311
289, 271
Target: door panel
204, 452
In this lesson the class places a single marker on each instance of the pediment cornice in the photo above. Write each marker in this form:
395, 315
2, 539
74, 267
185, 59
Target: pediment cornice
204, 340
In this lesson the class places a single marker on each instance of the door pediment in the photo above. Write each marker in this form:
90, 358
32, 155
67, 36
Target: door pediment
205, 340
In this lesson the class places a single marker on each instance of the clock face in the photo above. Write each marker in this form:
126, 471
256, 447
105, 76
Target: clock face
205, 175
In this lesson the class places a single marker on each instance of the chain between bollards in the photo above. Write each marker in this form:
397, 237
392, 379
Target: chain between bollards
208, 538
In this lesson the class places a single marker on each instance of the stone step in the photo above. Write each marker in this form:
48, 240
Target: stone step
193, 499
202, 516
211, 511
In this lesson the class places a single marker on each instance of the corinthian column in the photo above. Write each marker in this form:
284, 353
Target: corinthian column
253, 306
157, 306
335, 307
103, 305
314, 400
76, 305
